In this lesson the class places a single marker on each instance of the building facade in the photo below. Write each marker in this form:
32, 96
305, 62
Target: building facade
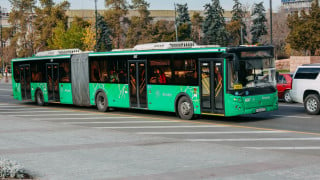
296, 5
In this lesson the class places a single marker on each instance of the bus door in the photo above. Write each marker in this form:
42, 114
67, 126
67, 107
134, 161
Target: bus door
137, 84
53, 81
25, 79
211, 85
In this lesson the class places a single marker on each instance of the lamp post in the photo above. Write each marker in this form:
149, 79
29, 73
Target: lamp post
96, 15
1, 46
270, 22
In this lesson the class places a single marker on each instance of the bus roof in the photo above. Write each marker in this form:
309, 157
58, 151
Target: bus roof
132, 52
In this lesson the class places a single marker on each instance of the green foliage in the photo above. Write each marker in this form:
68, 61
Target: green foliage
237, 24
259, 27
64, 38
139, 29
48, 16
196, 30
20, 19
103, 40
305, 30
116, 19
163, 31
183, 22
214, 27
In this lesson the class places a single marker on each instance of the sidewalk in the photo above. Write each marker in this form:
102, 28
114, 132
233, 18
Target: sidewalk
52, 150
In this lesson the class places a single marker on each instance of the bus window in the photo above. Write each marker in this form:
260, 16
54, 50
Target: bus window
16, 72
64, 70
185, 71
160, 71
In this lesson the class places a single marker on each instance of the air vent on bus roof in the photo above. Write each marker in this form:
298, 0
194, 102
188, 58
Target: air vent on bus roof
166, 45
58, 52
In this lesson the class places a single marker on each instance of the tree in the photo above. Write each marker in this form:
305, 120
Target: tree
196, 30
259, 27
214, 27
89, 39
305, 30
237, 27
67, 38
21, 18
115, 17
163, 31
48, 16
139, 29
183, 22
104, 42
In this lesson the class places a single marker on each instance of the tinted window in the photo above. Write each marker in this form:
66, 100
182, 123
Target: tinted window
37, 71
160, 71
185, 71
307, 73
16, 72
64, 72
108, 70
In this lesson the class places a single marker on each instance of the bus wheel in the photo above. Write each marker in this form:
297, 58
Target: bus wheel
185, 108
102, 102
39, 98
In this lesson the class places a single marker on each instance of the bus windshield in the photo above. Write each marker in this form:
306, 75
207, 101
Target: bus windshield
254, 75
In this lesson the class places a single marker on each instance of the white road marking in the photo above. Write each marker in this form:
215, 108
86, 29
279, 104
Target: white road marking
286, 148
210, 132
26, 112
301, 117
6, 90
57, 114
155, 127
22, 109
118, 122
253, 139
287, 105
1, 106
102, 117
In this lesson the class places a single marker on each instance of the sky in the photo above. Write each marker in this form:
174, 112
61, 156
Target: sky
161, 4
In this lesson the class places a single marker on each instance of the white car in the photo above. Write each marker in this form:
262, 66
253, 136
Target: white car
306, 87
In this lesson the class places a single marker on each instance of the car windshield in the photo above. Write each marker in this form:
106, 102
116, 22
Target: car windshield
253, 74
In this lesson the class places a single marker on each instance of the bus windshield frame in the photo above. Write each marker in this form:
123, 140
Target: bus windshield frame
251, 71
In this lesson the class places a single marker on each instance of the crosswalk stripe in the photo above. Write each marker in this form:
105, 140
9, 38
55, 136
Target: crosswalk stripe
285, 148
210, 132
118, 122
78, 118
27, 112
155, 127
253, 139
301, 117
57, 114
22, 109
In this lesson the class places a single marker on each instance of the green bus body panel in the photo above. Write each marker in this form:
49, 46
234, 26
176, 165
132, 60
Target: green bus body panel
65, 91
238, 105
42, 86
117, 94
162, 97
16, 90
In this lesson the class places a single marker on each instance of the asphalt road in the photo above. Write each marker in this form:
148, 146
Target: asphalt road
288, 131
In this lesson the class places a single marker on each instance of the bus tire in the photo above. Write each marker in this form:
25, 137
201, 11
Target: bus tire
312, 104
39, 98
185, 108
102, 102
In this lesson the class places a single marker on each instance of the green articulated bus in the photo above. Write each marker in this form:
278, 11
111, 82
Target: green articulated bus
179, 77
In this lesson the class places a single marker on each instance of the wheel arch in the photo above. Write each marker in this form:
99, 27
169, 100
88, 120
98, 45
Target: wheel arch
308, 92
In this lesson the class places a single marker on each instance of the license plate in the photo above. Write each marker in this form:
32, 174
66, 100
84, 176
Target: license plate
260, 109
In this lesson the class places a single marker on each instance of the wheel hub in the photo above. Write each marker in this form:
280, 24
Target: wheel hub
185, 108
312, 105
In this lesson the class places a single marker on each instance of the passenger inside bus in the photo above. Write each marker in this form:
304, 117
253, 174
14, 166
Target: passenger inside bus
158, 77
65, 72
